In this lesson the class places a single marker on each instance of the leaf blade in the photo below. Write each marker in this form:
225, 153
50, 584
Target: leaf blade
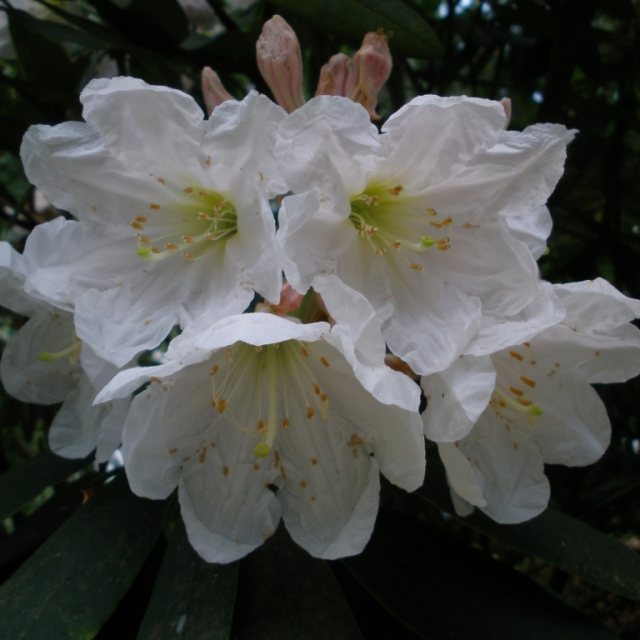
409, 33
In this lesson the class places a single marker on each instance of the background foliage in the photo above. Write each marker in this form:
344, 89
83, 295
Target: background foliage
80, 557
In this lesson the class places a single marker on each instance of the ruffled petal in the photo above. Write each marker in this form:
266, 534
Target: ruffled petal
510, 469
150, 128
456, 398
431, 136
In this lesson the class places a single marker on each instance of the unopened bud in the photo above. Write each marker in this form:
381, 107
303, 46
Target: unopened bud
334, 75
280, 62
506, 105
371, 69
213, 91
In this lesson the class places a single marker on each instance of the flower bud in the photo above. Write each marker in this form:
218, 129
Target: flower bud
506, 105
213, 91
280, 62
334, 76
371, 69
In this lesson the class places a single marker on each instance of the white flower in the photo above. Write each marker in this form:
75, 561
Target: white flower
542, 408
261, 417
174, 215
437, 221
45, 363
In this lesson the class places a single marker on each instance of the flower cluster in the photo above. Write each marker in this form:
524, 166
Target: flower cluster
403, 262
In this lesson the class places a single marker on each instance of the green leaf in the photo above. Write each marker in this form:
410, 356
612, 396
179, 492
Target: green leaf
40, 524
166, 19
72, 583
191, 599
555, 537
285, 594
59, 32
165, 24
443, 589
100, 32
408, 32
26, 481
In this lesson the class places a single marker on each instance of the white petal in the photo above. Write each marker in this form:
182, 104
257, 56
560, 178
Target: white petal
497, 333
147, 127
12, 277
596, 305
487, 262
243, 134
74, 430
462, 479
26, 374
532, 227
510, 468
358, 336
456, 397
432, 136
329, 139
430, 323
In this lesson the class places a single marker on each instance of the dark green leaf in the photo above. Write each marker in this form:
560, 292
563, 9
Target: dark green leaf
286, 594
26, 481
40, 524
409, 33
557, 538
44, 63
59, 32
165, 24
95, 29
444, 590
72, 583
192, 599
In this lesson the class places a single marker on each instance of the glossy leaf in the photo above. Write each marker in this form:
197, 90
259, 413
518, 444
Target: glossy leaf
27, 480
191, 599
44, 63
555, 537
285, 594
72, 583
442, 589
408, 32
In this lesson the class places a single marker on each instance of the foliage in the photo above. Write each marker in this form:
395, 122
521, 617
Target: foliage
80, 557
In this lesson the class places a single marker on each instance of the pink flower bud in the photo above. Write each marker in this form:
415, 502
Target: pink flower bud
280, 62
371, 69
213, 91
334, 75
506, 105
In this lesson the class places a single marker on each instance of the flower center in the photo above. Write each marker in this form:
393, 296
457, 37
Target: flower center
284, 393
199, 222
386, 219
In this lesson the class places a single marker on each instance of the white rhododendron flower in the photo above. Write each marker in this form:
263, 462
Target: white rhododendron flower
45, 363
437, 221
173, 211
542, 407
262, 417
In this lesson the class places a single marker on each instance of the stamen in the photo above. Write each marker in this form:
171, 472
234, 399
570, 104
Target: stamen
521, 405
72, 353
